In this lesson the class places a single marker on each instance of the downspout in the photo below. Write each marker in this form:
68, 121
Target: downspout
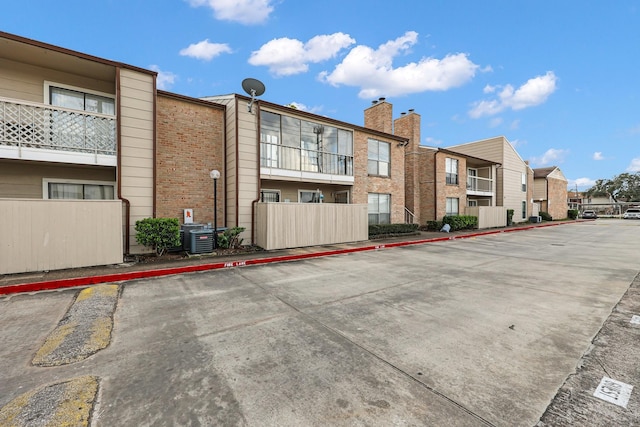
257, 199
435, 186
126, 202
155, 146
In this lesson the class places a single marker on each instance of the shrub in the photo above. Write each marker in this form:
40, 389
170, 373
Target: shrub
572, 213
158, 234
510, 216
229, 239
545, 216
433, 226
379, 230
461, 222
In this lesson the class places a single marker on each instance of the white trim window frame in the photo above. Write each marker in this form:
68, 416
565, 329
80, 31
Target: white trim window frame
379, 158
309, 196
379, 208
95, 98
342, 197
451, 171
452, 206
106, 189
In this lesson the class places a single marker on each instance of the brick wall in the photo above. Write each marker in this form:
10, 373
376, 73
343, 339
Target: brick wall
190, 143
557, 198
365, 184
379, 117
408, 126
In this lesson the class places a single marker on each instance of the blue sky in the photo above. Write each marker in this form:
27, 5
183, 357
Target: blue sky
559, 79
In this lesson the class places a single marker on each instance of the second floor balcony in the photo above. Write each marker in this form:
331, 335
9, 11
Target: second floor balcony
32, 131
295, 162
479, 186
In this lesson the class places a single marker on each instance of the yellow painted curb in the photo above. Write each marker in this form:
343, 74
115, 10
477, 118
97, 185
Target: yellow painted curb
84, 330
68, 404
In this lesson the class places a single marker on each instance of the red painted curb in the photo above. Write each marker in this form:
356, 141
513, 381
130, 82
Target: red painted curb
122, 277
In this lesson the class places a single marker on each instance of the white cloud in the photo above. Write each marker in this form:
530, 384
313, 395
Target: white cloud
205, 50
372, 70
598, 155
514, 124
518, 143
534, 92
302, 107
286, 56
550, 156
432, 141
495, 122
243, 11
581, 182
489, 89
165, 78
634, 166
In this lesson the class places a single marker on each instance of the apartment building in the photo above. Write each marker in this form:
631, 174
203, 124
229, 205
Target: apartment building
298, 179
514, 177
88, 146
550, 191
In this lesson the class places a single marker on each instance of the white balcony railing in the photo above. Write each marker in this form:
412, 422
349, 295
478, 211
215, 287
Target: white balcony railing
299, 159
476, 184
40, 126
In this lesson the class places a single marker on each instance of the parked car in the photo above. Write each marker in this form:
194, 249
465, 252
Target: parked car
632, 213
589, 215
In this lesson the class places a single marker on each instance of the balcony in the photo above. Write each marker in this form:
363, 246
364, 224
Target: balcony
32, 131
478, 186
294, 163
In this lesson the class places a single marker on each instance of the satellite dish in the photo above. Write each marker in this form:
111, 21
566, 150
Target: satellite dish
254, 88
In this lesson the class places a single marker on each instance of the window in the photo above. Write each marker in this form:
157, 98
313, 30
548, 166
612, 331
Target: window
78, 190
452, 206
524, 182
379, 156
524, 209
294, 144
269, 196
451, 166
79, 100
472, 203
379, 208
305, 196
341, 197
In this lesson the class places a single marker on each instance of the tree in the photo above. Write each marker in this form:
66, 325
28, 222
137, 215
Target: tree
623, 187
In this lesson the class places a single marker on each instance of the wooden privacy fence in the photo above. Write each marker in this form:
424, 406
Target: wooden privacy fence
488, 216
42, 235
293, 225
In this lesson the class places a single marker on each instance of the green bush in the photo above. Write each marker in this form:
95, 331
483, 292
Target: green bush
510, 216
461, 222
433, 226
229, 239
379, 230
545, 216
572, 213
158, 234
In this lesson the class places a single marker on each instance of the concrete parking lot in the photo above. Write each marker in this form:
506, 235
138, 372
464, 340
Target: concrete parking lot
480, 331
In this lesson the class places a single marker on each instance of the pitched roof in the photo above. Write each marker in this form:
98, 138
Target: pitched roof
543, 172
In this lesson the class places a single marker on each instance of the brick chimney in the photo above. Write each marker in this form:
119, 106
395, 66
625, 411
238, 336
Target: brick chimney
379, 116
408, 126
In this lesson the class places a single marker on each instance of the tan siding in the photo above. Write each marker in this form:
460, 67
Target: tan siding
17, 180
540, 189
61, 234
26, 82
136, 170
